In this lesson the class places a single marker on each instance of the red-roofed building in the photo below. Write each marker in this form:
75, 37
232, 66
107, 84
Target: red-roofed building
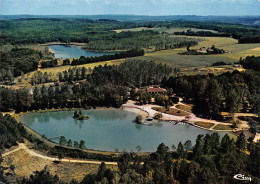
156, 90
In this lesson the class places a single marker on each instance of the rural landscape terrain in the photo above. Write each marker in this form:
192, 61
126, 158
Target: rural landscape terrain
129, 99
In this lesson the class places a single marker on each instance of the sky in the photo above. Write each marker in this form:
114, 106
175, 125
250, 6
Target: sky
136, 7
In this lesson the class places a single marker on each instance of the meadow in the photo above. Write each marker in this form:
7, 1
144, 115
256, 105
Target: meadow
230, 45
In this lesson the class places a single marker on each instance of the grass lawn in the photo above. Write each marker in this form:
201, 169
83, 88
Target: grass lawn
171, 111
187, 108
204, 124
222, 127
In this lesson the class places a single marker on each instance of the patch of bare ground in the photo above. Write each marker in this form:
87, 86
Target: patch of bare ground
25, 164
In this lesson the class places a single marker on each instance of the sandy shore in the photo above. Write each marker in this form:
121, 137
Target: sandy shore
137, 111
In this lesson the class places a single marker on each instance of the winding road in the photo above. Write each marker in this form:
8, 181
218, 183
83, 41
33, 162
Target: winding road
32, 153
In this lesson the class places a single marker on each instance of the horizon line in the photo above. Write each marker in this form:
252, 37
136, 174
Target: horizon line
130, 15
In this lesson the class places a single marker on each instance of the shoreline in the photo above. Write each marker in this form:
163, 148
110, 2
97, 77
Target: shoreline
136, 110
17, 115
52, 144
168, 117
60, 43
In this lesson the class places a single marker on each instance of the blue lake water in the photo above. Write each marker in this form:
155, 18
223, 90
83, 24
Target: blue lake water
64, 52
110, 129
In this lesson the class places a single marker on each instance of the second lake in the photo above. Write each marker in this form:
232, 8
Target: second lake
63, 52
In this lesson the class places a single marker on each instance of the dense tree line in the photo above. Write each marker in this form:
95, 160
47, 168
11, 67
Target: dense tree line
228, 92
10, 131
212, 160
130, 73
202, 33
142, 39
70, 96
121, 55
249, 38
244, 34
250, 62
105, 86
49, 64
17, 62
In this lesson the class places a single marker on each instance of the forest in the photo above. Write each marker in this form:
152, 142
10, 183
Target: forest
97, 33
10, 131
228, 92
142, 39
105, 86
17, 62
202, 33
250, 62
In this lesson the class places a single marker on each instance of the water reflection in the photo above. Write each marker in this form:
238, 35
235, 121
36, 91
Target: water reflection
78, 123
138, 126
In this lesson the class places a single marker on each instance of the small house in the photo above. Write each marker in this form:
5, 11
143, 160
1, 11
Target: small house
156, 90
202, 50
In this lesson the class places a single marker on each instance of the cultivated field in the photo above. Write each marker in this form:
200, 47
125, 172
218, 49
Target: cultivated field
235, 51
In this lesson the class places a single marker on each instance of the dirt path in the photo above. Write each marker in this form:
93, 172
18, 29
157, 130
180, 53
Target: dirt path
168, 117
31, 152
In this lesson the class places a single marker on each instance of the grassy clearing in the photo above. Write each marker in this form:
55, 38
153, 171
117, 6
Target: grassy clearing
25, 81
26, 164
222, 127
205, 70
171, 111
235, 51
204, 124
187, 108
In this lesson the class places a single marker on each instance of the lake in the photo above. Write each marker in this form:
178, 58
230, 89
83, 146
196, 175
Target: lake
63, 52
110, 129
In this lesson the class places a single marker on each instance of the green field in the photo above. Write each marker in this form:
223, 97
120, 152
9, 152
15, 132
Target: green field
235, 51
204, 124
222, 127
